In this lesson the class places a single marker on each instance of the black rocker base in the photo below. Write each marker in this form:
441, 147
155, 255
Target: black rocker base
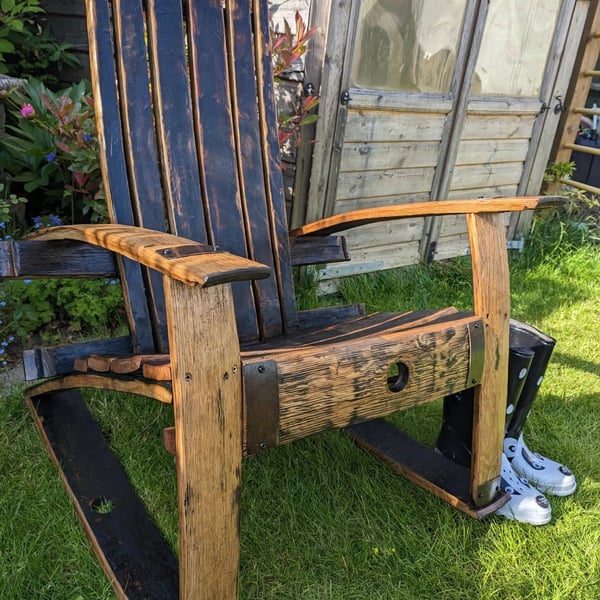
432, 471
129, 546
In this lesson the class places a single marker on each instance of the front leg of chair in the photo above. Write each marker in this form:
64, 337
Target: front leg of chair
491, 290
207, 399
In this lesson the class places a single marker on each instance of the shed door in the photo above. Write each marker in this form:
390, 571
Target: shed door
436, 99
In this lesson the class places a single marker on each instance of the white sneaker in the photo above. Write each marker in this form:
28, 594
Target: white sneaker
526, 504
548, 475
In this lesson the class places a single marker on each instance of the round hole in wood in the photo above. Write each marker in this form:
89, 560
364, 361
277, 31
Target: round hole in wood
102, 505
397, 377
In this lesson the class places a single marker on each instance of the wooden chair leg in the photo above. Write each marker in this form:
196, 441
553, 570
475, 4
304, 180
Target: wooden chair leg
207, 399
491, 290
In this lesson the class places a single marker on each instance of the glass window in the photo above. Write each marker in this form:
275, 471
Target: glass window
514, 49
407, 45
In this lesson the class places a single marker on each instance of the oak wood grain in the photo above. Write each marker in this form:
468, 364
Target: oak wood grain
491, 295
153, 248
207, 400
421, 209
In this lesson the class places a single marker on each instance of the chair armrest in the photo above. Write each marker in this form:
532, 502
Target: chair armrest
365, 216
177, 258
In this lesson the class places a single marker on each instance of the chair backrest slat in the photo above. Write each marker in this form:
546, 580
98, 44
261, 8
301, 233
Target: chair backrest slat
114, 165
196, 154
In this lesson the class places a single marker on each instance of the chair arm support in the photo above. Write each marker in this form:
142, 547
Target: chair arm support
365, 216
176, 257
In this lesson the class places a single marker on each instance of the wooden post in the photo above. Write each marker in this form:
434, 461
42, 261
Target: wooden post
207, 399
491, 291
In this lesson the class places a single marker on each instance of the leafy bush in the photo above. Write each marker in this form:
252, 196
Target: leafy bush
57, 310
26, 46
286, 49
51, 146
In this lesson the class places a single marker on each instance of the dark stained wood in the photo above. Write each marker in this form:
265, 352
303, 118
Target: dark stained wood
59, 360
216, 147
313, 250
61, 258
114, 167
427, 468
323, 317
251, 166
127, 542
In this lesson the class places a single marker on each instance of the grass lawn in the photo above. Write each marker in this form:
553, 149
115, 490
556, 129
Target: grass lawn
322, 519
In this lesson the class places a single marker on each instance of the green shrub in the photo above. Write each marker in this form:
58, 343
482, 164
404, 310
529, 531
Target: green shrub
26, 46
51, 148
57, 310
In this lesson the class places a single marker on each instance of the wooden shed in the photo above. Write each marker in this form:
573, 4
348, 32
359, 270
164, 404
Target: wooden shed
422, 100
425, 100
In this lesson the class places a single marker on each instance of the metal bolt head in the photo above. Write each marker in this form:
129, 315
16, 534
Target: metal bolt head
188, 377
261, 369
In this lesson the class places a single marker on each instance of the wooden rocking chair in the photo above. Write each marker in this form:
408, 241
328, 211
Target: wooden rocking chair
189, 152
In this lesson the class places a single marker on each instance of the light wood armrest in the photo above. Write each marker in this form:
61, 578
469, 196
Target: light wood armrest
177, 258
365, 216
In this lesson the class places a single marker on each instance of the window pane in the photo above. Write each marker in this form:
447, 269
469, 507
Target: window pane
515, 46
407, 45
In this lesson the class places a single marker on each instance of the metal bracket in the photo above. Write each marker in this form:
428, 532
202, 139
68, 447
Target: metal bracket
477, 353
188, 250
261, 392
487, 492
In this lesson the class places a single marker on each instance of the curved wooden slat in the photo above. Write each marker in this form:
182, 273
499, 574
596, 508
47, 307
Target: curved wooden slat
155, 249
365, 216
103, 382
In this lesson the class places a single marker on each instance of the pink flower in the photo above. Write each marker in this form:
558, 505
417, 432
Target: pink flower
27, 111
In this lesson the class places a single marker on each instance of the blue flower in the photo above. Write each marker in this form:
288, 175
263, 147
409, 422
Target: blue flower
2, 351
27, 281
87, 137
2, 304
54, 220
8, 237
11, 338
2, 225
4, 344
50, 157
4, 363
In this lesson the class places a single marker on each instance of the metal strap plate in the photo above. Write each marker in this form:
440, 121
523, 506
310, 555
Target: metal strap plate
476, 360
188, 250
261, 392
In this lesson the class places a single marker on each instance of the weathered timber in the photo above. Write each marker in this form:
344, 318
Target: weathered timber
318, 250
325, 385
59, 360
491, 293
154, 250
26, 258
159, 370
442, 207
103, 381
130, 547
427, 468
207, 398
